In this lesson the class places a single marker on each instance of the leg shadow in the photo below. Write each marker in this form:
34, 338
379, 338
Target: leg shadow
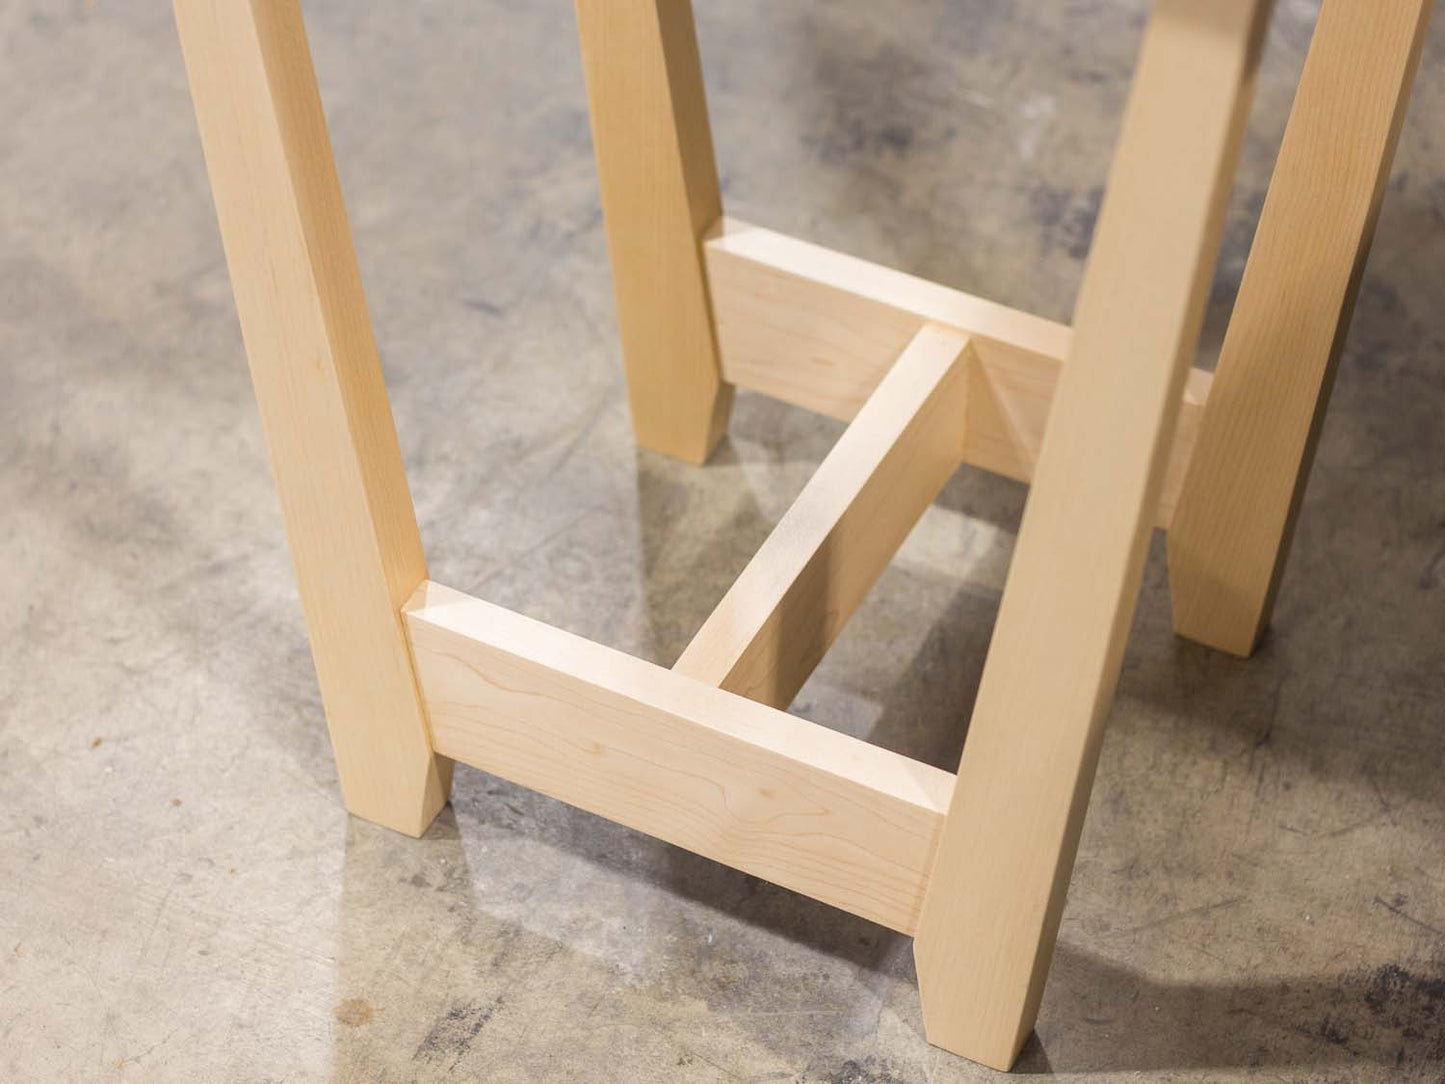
1114, 1019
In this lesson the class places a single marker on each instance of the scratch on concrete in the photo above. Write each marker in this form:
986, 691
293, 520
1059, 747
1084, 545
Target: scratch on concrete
1178, 916
1395, 909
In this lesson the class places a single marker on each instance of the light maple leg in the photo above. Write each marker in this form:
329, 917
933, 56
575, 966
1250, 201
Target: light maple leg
319, 386
659, 196
1241, 493
991, 913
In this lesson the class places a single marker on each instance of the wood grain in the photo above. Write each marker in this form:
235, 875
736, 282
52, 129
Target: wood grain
319, 386
659, 188
820, 329
782, 614
992, 911
1241, 496
784, 799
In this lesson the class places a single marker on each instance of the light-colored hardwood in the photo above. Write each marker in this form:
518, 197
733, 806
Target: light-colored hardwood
1103, 421
1236, 515
788, 606
318, 382
805, 807
659, 194
991, 914
819, 329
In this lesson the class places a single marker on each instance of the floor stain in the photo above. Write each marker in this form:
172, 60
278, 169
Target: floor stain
453, 1033
354, 1012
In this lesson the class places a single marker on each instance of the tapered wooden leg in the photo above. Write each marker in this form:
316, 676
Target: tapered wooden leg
659, 196
1236, 511
991, 913
318, 382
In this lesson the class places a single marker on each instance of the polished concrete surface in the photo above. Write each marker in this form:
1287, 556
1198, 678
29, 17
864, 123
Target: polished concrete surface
1260, 891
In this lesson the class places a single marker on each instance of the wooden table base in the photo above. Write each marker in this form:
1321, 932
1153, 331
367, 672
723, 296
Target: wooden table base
1106, 420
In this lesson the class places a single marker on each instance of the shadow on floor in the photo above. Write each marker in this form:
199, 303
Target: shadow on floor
1099, 1016
1385, 1015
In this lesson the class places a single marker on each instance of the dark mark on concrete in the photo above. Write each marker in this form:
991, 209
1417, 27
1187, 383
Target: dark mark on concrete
1412, 1005
1066, 216
453, 1033
1192, 912
1397, 908
1431, 576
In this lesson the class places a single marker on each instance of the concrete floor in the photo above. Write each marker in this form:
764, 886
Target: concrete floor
1260, 890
